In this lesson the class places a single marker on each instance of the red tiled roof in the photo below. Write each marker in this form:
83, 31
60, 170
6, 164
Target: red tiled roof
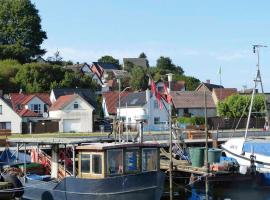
192, 99
223, 93
27, 113
62, 101
111, 99
19, 100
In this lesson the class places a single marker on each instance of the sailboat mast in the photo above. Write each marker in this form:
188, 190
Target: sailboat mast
256, 49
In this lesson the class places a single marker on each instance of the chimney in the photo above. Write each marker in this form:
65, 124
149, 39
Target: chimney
1, 93
208, 81
21, 91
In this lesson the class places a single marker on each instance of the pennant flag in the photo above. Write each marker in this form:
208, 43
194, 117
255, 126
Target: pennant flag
153, 87
168, 96
159, 100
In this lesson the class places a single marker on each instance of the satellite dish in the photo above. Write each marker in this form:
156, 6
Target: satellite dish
45, 115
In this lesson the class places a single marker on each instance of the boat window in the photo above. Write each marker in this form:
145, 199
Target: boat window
149, 159
96, 164
85, 163
115, 162
132, 160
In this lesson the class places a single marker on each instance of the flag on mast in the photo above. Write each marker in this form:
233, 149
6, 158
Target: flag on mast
167, 94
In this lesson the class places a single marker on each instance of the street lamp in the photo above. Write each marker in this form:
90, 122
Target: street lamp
170, 125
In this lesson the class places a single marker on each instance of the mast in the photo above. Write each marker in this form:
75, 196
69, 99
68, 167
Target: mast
258, 79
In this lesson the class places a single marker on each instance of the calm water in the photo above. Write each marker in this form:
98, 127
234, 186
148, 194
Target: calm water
233, 190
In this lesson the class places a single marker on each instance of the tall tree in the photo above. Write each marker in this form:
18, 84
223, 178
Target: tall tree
8, 71
165, 65
139, 79
142, 55
20, 30
109, 59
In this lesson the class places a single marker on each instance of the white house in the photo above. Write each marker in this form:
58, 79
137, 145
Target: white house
73, 112
17, 108
138, 105
9, 119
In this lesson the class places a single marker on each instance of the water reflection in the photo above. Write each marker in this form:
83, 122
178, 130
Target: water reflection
233, 190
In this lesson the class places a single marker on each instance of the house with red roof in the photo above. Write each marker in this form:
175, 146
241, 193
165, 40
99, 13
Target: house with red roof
16, 108
74, 113
175, 86
110, 101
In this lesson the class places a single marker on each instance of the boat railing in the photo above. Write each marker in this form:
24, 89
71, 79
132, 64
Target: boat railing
45, 160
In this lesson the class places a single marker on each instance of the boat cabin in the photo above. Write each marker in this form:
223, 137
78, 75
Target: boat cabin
102, 160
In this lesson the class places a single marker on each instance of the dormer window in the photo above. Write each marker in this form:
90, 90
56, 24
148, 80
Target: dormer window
36, 108
76, 105
19, 106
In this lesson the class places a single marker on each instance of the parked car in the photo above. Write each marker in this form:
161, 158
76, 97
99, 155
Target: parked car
103, 125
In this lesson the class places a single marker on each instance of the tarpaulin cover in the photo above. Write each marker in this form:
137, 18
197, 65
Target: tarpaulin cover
257, 147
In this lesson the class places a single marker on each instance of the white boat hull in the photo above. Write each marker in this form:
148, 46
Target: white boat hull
234, 148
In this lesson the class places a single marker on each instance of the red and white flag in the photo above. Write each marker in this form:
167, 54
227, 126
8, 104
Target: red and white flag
167, 94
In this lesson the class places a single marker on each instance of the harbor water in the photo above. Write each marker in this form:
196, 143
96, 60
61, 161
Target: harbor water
233, 190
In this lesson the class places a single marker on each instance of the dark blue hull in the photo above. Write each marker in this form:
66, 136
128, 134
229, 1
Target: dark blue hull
143, 186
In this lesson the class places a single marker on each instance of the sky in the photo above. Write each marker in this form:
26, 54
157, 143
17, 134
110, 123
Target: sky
200, 36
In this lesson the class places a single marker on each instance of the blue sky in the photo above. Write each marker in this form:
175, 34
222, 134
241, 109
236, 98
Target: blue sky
198, 35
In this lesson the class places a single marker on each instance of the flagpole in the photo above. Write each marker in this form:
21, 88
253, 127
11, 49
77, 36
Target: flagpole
170, 125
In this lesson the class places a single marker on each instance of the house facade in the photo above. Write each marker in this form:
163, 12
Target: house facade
73, 112
191, 103
79, 115
9, 119
143, 105
17, 108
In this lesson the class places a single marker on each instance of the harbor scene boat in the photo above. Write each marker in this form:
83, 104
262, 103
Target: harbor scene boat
134, 100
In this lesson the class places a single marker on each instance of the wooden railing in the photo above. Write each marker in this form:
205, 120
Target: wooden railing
45, 160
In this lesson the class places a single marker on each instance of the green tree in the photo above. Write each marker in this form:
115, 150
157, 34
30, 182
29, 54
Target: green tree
191, 83
8, 71
236, 106
142, 55
128, 66
139, 80
20, 30
165, 66
42, 77
109, 59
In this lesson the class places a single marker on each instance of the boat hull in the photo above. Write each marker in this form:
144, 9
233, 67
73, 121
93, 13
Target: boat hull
143, 186
234, 148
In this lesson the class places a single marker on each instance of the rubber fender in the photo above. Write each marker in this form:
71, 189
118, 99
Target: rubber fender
15, 182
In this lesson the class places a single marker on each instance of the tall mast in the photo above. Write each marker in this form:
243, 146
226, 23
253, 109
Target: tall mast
257, 80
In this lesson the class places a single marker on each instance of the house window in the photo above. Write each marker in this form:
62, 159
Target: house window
155, 104
156, 120
96, 164
76, 105
19, 106
36, 108
46, 107
5, 125
0, 109
85, 163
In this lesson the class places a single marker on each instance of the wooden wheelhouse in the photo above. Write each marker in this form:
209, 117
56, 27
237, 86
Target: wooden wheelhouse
101, 160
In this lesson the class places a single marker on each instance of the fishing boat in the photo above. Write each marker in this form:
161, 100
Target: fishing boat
251, 152
106, 171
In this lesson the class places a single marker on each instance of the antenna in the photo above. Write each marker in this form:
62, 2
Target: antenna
258, 79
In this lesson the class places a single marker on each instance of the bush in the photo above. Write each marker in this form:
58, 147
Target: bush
191, 120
